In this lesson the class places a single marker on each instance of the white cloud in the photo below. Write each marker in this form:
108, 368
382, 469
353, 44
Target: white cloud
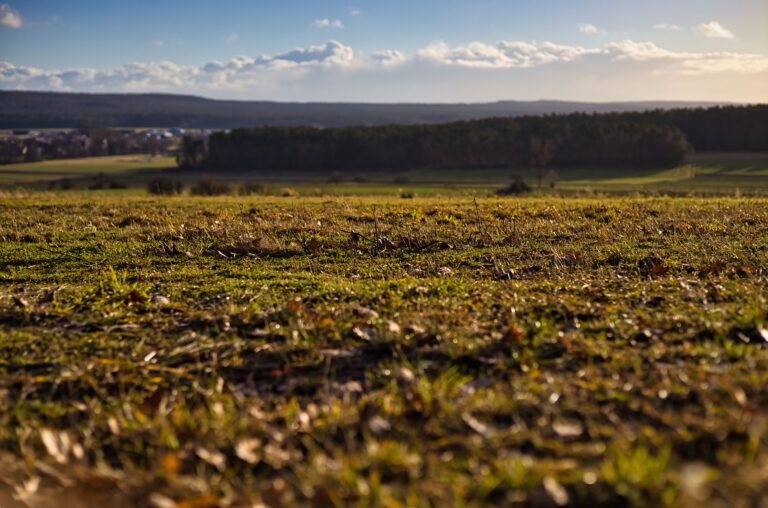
332, 52
355, 12
502, 55
158, 43
9, 17
232, 38
389, 57
588, 28
714, 30
335, 24
689, 63
334, 71
667, 27
524, 55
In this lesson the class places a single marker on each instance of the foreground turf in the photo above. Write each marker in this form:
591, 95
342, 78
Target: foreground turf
372, 351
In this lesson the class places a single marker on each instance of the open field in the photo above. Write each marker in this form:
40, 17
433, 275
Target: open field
705, 174
125, 166
376, 351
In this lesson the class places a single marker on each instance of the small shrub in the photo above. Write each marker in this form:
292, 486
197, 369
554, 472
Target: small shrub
250, 188
407, 195
209, 187
66, 184
335, 178
517, 187
107, 183
287, 192
163, 186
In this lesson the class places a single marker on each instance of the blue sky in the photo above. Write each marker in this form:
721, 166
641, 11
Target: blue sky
428, 50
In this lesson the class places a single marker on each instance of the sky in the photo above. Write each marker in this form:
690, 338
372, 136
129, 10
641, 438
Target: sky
391, 51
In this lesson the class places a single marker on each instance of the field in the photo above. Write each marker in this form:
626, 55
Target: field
708, 174
125, 167
376, 351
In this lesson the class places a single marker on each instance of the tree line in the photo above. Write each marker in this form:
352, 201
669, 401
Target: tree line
639, 140
585, 141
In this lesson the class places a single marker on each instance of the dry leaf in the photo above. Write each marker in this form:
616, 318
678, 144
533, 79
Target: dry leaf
246, 450
513, 335
556, 491
212, 457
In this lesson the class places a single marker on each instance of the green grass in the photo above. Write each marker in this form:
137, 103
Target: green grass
704, 174
120, 166
376, 351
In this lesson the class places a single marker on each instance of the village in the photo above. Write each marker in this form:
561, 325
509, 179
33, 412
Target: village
30, 145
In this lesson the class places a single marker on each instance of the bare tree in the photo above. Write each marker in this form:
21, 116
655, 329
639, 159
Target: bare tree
542, 152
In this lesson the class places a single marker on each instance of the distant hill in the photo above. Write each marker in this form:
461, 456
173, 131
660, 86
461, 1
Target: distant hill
60, 110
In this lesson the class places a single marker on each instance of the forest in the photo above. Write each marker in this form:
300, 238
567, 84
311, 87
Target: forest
639, 140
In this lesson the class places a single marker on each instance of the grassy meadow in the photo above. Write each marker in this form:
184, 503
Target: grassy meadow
377, 351
707, 174
38, 173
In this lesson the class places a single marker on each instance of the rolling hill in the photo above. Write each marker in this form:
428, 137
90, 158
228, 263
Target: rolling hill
63, 110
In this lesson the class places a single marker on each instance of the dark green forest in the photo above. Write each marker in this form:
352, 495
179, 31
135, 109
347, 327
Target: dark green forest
650, 139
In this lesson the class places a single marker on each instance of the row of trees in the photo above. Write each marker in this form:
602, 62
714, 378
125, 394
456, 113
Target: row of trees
557, 141
718, 129
644, 139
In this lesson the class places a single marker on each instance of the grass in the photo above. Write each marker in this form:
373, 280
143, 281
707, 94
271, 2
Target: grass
708, 174
122, 165
374, 351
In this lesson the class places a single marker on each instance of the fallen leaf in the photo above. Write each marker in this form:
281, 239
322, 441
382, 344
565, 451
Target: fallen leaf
568, 428
170, 465
556, 491
212, 457
513, 335
246, 450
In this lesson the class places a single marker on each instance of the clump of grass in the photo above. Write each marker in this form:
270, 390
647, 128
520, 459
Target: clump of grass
516, 188
164, 186
251, 188
210, 187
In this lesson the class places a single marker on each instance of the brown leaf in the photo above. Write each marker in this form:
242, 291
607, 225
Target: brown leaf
513, 335
652, 266
313, 246
170, 465
151, 403
714, 268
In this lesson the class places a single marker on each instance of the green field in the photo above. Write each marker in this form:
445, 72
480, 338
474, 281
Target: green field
704, 174
375, 351
122, 166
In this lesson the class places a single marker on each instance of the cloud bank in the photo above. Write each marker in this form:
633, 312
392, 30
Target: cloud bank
475, 71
